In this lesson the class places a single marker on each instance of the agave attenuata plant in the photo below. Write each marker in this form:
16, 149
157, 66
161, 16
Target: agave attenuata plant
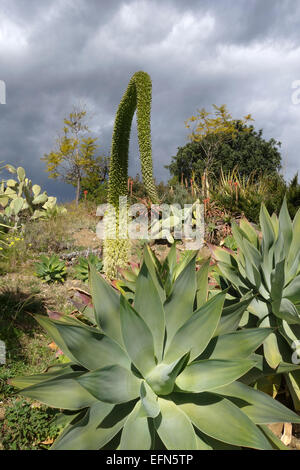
268, 265
158, 371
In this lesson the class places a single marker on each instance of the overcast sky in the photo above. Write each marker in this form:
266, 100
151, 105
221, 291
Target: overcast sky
57, 53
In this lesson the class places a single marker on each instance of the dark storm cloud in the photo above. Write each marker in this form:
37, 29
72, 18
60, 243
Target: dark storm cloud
59, 53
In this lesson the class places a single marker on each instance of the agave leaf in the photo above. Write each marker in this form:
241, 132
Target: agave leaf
179, 306
111, 384
87, 345
148, 302
271, 349
286, 310
277, 281
52, 330
231, 317
137, 338
98, 426
236, 344
207, 375
292, 290
174, 427
138, 432
153, 265
258, 406
52, 373
202, 284
220, 419
267, 228
204, 320
295, 244
293, 382
106, 304
250, 232
149, 401
285, 227
61, 392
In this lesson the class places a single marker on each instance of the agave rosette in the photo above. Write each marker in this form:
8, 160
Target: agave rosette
158, 372
269, 267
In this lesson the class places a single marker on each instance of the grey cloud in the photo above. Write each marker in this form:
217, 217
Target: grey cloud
55, 54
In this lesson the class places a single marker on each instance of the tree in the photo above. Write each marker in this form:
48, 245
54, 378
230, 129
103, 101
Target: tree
248, 151
74, 153
212, 131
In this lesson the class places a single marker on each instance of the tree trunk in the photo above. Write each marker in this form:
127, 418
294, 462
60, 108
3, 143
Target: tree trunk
77, 191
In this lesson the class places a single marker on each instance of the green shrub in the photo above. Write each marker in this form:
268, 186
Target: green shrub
82, 268
51, 269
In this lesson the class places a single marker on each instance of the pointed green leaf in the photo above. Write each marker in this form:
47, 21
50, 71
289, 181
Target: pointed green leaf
60, 392
271, 350
196, 333
179, 306
137, 338
93, 431
258, 406
202, 284
106, 303
174, 427
231, 317
137, 432
219, 418
87, 345
237, 344
149, 401
206, 375
149, 305
292, 291
285, 226
266, 227
111, 384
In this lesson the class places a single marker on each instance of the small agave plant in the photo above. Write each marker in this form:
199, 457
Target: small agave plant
159, 371
269, 267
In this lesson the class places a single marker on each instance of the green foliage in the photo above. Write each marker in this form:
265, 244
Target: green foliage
27, 427
244, 195
75, 151
51, 269
82, 268
161, 374
269, 266
293, 196
248, 152
21, 200
137, 98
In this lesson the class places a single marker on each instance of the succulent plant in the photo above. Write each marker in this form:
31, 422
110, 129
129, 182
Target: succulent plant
17, 195
269, 267
158, 372
51, 269
136, 98
82, 267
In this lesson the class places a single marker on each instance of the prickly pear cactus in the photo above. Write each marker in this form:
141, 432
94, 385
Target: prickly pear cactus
17, 195
136, 98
